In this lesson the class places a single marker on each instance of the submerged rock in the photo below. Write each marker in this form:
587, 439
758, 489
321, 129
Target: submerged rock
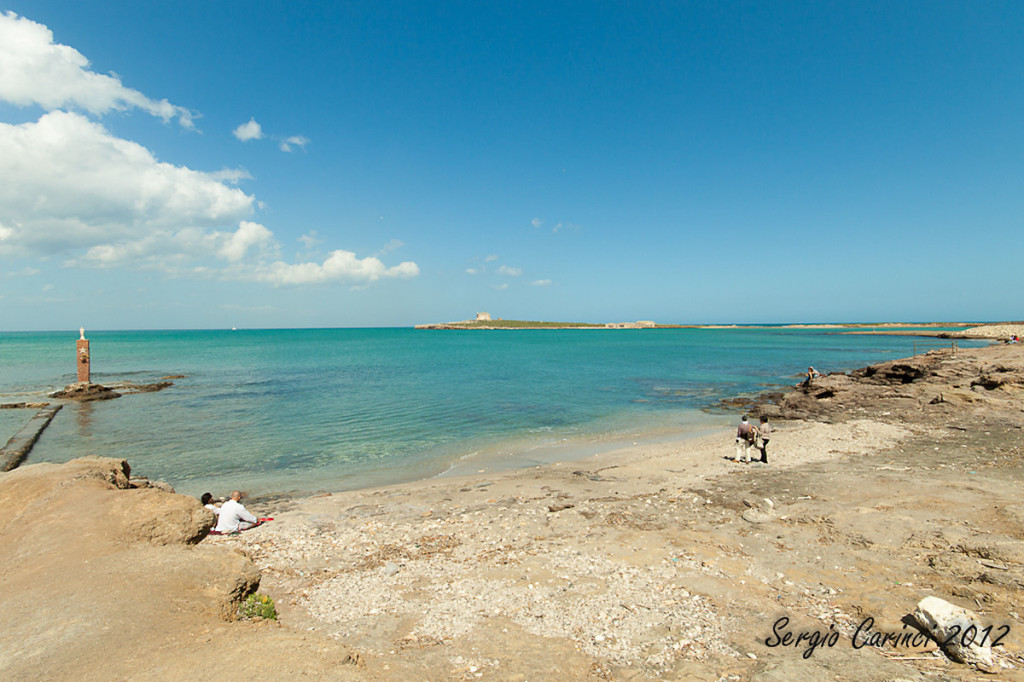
86, 391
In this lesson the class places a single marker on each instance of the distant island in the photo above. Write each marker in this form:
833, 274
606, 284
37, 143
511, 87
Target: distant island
485, 321
1005, 330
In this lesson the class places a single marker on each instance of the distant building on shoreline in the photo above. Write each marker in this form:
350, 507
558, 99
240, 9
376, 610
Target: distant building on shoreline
639, 324
484, 320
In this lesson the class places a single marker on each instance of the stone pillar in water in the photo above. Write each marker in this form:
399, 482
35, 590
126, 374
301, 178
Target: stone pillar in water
82, 346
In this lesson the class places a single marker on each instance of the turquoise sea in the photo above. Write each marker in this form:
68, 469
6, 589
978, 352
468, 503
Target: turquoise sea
299, 411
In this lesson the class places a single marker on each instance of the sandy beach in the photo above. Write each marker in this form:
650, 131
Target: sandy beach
658, 561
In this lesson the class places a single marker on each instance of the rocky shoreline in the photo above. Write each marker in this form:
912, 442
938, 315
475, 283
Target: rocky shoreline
948, 376
886, 486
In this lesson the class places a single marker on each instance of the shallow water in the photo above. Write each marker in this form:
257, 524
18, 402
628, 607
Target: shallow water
327, 409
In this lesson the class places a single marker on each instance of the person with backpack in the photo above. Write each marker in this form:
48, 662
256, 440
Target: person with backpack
746, 435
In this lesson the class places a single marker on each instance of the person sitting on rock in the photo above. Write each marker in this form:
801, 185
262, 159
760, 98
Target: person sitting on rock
207, 500
234, 516
811, 374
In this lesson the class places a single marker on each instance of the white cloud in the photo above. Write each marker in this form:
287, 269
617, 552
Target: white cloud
472, 271
293, 141
501, 287
249, 131
34, 70
339, 266
24, 272
245, 250
69, 187
234, 176
541, 283
510, 272
491, 258
392, 245
248, 235
177, 251
557, 227
310, 240
67, 183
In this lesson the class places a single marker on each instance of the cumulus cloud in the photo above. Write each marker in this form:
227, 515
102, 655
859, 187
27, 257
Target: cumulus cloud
340, 265
294, 141
177, 251
510, 272
491, 258
541, 283
67, 183
254, 131
249, 235
246, 251
34, 70
70, 188
248, 131
67, 186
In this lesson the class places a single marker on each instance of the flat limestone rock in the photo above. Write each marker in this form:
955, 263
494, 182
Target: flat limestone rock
89, 560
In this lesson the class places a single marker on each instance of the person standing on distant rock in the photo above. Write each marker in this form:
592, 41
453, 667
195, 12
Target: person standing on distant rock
746, 434
234, 516
765, 431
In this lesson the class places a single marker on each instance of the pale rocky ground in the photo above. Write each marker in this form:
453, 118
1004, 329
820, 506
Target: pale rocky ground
653, 562
994, 331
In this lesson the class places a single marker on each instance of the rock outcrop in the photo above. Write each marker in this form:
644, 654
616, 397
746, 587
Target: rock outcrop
89, 559
936, 380
84, 392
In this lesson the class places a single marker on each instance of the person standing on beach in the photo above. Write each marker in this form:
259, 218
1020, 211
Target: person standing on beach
234, 516
765, 431
746, 434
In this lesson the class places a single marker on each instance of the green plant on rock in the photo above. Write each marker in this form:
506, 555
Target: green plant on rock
257, 606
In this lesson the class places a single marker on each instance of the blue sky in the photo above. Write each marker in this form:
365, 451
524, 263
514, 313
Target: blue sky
258, 164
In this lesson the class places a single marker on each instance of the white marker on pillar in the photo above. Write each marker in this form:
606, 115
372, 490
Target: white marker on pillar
82, 346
